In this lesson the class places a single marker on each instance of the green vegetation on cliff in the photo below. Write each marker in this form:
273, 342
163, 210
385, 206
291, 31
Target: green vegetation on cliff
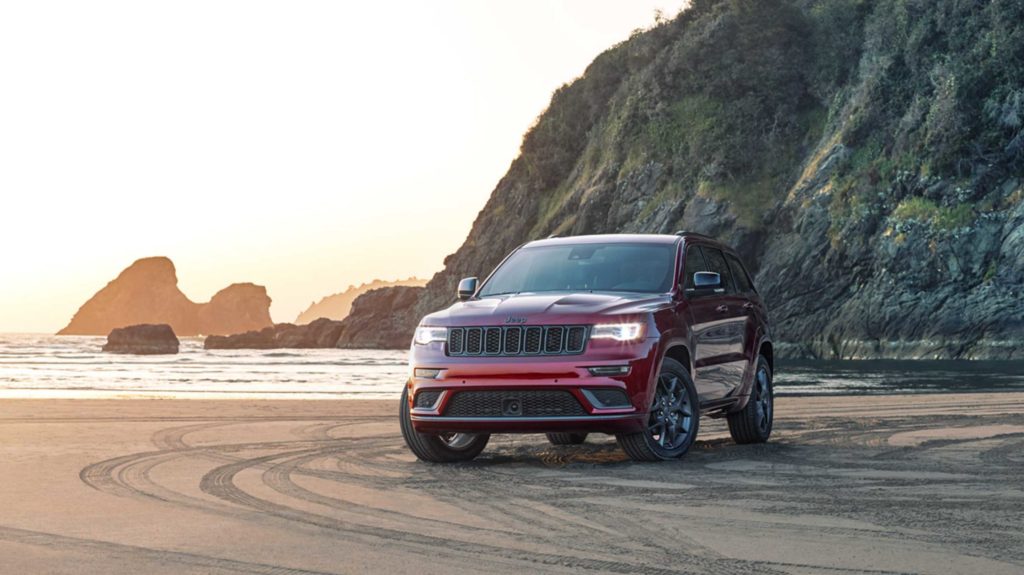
864, 156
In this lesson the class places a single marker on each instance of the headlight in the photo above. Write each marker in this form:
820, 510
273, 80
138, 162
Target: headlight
425, 335
617, 331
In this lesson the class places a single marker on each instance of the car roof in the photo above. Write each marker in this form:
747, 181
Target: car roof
622, 238
605, 239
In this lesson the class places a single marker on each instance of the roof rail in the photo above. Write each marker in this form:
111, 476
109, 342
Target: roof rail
687, 233
552, 236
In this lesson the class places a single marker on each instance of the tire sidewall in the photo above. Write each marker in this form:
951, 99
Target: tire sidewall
430, 447
745, 425
762, 363
680, 371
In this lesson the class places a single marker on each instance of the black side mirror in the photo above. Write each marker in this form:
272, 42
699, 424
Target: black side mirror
706, 283
467, 287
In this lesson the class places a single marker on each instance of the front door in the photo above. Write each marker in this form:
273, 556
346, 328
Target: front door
719, 326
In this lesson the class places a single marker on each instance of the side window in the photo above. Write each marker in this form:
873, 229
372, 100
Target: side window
694, 263
739, 273
716, 261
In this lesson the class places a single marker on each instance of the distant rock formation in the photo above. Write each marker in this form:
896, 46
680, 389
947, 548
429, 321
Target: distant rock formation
337, 306
377, 318
322, 333
144, 339
147, 293
235, 309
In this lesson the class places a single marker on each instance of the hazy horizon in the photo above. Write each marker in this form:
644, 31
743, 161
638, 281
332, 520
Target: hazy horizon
258, 142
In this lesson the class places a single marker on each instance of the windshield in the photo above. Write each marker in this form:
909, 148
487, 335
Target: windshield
614, 267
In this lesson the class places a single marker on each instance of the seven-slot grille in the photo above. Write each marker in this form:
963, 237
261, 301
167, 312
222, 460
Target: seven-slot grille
517, 340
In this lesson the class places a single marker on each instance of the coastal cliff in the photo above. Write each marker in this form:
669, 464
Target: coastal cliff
865, 158
147, 293
337, 306
380, 319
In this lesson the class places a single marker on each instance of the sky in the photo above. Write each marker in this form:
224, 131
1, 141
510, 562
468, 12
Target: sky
304, 146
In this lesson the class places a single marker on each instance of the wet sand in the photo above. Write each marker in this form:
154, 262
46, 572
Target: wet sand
919, 484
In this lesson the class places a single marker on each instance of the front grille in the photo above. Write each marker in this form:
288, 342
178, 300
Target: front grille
517, 340
533, 336
474, 341
492, 339
553, 339
427, 398
513, 341
555, 403
456, 341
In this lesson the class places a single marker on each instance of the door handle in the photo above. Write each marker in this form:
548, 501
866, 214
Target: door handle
722, 308
748, 305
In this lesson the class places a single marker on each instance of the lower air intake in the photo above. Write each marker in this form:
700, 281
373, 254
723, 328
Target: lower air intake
427, 398
555, 403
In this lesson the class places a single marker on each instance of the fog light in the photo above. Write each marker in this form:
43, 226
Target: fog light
426, 372
608, 370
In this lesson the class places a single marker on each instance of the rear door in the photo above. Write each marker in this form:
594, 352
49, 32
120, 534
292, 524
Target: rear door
753, 307
719, 332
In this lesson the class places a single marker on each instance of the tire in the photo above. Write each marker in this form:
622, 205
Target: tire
439, 448
566, 438
674, 418
753, 424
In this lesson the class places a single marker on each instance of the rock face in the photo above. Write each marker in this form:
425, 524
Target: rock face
235, 309
337, 306
147, 292
144, 339
866, 160
379, 319
322, 333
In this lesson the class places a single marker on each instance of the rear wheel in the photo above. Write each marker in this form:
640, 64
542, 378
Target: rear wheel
566, 438
443, 447
753, 424
673, 421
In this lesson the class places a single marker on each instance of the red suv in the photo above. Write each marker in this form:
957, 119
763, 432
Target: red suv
632, 335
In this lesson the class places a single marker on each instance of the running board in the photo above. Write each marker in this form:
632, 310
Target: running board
718, 407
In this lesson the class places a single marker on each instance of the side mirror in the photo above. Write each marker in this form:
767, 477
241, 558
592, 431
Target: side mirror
705, 283
467, 287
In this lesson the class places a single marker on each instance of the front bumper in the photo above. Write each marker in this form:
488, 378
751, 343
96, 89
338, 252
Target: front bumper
516, 375
627, 423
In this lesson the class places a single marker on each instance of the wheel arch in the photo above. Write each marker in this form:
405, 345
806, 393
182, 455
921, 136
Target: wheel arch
768, 351
680, 353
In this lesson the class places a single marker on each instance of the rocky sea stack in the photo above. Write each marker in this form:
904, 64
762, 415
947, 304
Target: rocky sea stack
145, 339
865, 158
371, 325
147, 293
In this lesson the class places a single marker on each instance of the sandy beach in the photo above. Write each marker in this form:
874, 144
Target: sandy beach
919, 484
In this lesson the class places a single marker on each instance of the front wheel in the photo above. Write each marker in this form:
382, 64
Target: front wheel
753, 424
439, 448
673, 421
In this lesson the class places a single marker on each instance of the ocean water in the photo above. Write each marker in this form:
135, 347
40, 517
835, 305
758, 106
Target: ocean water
74, 367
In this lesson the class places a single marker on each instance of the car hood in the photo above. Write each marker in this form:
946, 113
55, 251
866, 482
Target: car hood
547, 308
